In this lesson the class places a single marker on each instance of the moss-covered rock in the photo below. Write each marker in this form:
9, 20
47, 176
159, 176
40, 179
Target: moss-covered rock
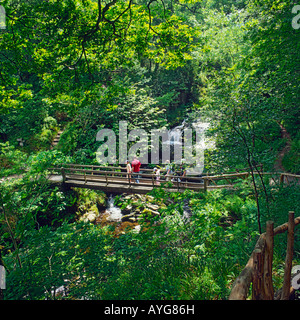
90, 203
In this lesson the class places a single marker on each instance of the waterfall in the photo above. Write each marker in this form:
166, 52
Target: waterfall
113, 211
175, 134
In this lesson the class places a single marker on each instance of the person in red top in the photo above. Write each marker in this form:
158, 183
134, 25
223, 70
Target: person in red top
136, 169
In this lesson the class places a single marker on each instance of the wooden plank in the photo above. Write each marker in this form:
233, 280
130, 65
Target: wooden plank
125, 180
291, 175
115, 189
115, 186
141, 184
224, 176
284, 227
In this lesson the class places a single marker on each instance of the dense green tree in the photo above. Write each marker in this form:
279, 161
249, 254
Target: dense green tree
84, 65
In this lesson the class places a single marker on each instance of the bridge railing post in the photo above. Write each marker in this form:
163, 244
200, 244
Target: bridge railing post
268, 262
63, 173
205, 184
129, 179
289, 256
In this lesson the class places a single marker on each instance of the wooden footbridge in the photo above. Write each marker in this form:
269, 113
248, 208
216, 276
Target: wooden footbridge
117, 180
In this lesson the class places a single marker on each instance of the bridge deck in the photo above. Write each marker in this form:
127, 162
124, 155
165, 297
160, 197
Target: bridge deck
117, 180
117, 184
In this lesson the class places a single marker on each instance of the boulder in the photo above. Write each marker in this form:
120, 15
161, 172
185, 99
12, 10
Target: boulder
89, 217
152, 206
149, 198
91, 214
149, 211
127, 210
140, 197
127, 217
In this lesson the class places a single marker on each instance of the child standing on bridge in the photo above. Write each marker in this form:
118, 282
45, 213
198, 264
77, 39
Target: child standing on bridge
156, 171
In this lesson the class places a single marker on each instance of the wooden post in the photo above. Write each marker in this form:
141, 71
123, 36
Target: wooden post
84, 177
281, 178
129, 179
106, 179
288, 259
257, 282
1, 265
268, 261
63, 174
205, 184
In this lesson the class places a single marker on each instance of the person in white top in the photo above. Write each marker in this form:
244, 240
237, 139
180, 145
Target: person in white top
129, 170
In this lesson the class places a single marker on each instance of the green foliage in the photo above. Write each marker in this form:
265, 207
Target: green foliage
63, 250
90, 200
41, 161
291, 160
169, 258
11, 160
44, 139
153, 64
68, 140
50, 123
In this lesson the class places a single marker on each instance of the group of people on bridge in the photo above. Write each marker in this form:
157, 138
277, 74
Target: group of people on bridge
171, 170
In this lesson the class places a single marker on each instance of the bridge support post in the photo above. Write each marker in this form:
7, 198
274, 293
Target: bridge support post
205, 184
129, 179
63, 172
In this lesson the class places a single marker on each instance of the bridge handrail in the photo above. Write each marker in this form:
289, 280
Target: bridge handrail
175, 184
80, 173
125, 173
107, 167
162, 169
208, 177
